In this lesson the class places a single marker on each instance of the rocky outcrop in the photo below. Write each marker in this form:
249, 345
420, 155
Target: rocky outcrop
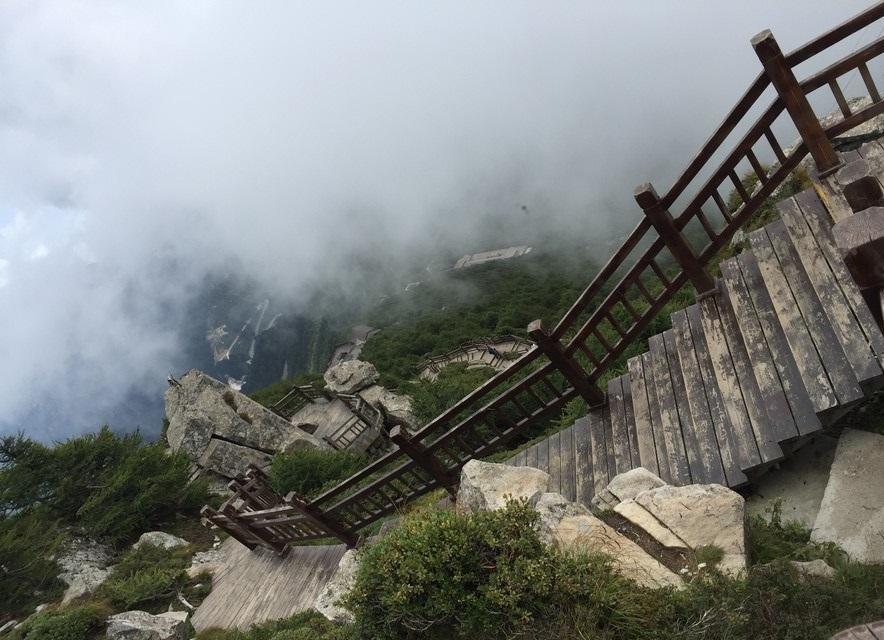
813, 568
852, 510
85, 564
485, 486
328, 601
160, 539
224, 431
396, 408
140, 625
702, 515
351, 376
626, 486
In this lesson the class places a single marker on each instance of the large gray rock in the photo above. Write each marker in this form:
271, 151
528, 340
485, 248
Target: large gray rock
626, 486
852, 510
588, 534
160, 539
702, 515
485, 486
210, 561
570, 526
84, 564
351, 376
328, 600
140, 625
203, 411
229, 460
397, 408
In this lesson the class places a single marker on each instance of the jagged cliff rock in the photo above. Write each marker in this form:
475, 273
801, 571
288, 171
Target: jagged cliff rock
222, 430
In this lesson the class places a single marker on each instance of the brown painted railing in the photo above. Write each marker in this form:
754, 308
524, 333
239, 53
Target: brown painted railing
662, 254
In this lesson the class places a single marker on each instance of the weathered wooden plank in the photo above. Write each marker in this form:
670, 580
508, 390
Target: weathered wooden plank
597, 419
706, 464
532, 456
630, 421
742, 438
656, 420
772, 391
800, 403
762, 426
813, 372
838, 368
845, 325
543, 455
686, 423
555, 462
817, 220
671, 427
619, 436
724, 432
568, 483
644, 431
583, 461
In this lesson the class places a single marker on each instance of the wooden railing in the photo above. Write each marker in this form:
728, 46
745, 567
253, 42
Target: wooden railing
435, 363
365, 418
296, 399
664, 252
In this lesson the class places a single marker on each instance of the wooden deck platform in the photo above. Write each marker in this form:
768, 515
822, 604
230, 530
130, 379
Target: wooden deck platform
784, 348
256, 586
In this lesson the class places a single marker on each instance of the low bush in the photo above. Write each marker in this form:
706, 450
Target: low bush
443, 575
70, 623
27, 570
307, 471
453, 383
112, 486
147, 578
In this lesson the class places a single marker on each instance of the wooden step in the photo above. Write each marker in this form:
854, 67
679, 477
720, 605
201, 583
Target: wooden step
835, 306
670, 425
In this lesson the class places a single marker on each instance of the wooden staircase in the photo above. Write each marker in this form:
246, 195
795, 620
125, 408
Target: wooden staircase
783, 349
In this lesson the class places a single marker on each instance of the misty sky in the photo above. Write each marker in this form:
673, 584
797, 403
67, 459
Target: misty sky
144, 145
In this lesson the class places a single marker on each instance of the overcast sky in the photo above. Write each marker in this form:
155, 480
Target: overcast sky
146, 144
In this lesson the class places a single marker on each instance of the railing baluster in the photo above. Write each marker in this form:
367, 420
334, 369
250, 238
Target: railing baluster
839, 97
869, 82
719, 202
756, 166
774, 145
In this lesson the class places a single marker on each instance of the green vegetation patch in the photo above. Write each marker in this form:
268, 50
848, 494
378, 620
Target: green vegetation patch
308, 471
69, 623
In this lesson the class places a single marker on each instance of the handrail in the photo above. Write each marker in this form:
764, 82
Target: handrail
568, 362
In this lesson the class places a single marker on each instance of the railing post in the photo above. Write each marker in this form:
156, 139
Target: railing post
427, 461
553, 350
661, 219
319, 519
784, 81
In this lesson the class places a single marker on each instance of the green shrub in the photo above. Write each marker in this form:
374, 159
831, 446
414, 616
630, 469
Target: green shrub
113, 486
71, 623
453, 383
441, 574
27, 571
146, 578
771, 539
306, 471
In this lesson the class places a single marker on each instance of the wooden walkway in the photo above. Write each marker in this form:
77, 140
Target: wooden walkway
783, 349
871, 631
256, 586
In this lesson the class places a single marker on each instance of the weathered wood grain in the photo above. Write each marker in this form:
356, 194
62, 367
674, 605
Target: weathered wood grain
644, 431
669, 420
702, 445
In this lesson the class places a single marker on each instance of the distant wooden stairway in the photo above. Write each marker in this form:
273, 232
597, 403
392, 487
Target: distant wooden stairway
773, 351
743, 377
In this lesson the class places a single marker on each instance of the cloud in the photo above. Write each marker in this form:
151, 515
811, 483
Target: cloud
145, 145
